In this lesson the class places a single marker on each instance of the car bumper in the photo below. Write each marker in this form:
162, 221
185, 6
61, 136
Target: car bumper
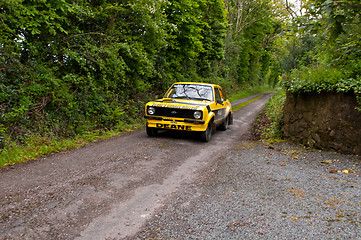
176, 124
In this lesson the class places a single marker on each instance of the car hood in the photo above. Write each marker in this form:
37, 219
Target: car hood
179, 103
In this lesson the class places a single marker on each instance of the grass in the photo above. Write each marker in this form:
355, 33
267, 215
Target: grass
40, 146
247, 92
235, 108
268, 126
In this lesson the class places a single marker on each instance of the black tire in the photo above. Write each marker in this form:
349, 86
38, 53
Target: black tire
207, 134
224, 124
152, 132
230, 120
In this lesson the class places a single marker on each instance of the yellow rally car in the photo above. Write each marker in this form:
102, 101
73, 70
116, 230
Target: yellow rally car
189, 106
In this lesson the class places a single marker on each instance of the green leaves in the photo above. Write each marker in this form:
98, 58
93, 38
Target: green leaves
337, 23
253, 27
37, 17
326, 49
322, 79
69, 67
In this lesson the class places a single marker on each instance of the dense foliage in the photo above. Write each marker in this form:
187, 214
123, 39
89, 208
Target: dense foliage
249, 43
318, 52
68, 67
321, 79
327, 50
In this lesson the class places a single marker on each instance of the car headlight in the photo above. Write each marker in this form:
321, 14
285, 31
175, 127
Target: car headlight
197, 114
151, 110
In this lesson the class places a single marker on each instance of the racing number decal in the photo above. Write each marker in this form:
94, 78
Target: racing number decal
175, 127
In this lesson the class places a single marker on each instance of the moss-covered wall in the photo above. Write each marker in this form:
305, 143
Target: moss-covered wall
326, 121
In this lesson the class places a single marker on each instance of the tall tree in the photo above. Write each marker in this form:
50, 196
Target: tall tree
250, 36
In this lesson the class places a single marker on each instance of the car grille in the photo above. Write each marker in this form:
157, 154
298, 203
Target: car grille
174, 112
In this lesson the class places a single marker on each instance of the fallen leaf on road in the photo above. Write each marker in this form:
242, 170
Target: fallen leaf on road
224, 194
297, 193
326, 161
294, 219
333, 202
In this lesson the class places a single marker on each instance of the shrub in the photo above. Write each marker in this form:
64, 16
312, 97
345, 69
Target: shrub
324, 79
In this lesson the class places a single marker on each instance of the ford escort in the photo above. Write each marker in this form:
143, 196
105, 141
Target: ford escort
188, 106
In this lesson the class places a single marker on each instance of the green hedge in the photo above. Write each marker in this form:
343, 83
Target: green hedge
323, 79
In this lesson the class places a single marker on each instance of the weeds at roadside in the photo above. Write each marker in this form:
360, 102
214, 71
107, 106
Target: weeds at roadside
269, 122
39, 146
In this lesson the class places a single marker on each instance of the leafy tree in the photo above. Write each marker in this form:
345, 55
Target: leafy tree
330, 60
253, 27
68, 67
336, 26
214, 32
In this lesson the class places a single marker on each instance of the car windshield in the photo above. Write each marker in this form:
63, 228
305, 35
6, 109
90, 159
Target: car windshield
191, 91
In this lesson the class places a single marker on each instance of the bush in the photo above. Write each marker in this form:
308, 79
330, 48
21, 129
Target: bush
307, 80
324, 79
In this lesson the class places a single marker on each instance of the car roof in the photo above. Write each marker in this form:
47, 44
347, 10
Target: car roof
198, 83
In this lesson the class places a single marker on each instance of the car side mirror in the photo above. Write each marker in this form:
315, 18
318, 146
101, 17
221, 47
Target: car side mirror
220, 101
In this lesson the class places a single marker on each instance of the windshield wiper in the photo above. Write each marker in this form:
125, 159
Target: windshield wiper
182, 97
201, 99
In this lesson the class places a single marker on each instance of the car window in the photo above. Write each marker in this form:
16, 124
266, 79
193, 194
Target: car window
223, 96
218, 94
190, 91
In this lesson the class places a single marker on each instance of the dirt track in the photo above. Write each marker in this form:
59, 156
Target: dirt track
109, 189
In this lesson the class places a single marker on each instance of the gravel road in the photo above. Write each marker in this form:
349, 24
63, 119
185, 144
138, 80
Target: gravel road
176, 187
260, 191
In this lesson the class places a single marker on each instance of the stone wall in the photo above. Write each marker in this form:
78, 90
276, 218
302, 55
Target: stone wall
326, 121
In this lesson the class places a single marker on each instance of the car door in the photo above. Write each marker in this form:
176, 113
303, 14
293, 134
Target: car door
220, 107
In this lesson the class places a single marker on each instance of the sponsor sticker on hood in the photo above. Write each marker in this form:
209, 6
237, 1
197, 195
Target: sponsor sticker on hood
176, 106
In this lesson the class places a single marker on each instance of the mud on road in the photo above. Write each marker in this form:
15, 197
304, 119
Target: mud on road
109, 189
177, 187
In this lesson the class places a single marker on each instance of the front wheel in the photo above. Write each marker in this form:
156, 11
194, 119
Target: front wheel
207, 134
152, 132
